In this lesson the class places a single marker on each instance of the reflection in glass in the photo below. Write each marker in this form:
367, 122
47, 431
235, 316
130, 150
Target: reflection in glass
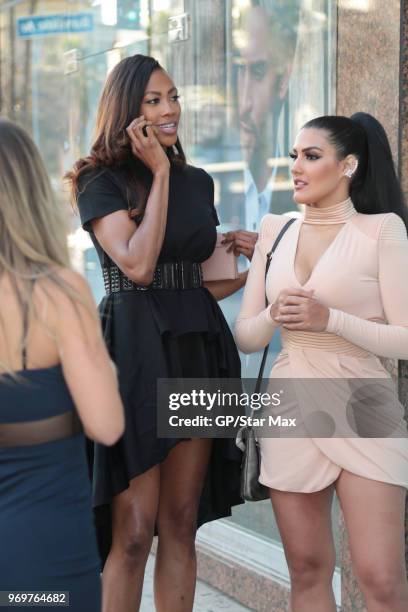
250, 73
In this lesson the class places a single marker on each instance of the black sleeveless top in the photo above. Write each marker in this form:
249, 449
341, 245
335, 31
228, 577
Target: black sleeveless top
36, 405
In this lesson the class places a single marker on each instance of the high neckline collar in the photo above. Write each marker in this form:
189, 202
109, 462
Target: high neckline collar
337, 213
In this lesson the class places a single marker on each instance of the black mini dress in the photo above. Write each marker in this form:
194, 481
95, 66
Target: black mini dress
161, 333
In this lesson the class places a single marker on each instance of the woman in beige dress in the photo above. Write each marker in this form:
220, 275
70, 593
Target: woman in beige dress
337, 286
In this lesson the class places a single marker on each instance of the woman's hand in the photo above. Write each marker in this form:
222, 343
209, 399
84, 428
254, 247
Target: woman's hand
297, 309
241, 242
147, 148
223, 288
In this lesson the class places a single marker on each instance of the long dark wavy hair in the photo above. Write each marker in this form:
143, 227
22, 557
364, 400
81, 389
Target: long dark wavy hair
375, 187
119, 104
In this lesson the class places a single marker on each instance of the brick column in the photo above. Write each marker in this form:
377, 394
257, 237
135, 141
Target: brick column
368, 69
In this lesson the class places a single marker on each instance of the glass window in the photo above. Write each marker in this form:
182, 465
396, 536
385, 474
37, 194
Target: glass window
250, 73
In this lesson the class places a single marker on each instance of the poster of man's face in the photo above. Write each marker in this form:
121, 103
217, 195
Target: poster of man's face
264, 39
265, 63
257, 71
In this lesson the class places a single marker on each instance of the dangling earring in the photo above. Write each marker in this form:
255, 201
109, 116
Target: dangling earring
175, 150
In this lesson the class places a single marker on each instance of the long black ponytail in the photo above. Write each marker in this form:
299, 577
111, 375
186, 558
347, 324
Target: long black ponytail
375, 187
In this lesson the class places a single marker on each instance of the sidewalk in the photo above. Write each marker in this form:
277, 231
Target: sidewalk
207, 599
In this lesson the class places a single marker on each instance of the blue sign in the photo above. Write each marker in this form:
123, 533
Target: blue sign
59, 23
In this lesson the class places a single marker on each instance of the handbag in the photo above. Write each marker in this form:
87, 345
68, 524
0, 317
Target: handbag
220, 265
250, 487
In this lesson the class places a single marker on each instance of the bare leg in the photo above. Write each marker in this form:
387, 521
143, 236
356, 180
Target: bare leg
134, 514
304, 521
181, 480
374, 515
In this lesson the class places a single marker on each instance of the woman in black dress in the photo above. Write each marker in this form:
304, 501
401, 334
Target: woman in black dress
150, 215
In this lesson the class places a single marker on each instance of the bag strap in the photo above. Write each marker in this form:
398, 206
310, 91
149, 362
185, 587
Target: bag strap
268, 263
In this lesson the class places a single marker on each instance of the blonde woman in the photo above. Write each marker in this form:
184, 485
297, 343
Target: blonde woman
55, 376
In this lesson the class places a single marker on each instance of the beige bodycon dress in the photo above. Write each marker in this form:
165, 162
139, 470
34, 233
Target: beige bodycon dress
362, 277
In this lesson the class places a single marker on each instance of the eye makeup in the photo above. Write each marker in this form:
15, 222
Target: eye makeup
309, 156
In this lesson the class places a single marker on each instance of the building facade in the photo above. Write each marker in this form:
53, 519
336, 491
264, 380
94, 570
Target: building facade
250, 73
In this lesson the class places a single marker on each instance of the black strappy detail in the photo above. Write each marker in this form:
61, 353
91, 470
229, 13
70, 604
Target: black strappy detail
25, 329
25, 334
37, 391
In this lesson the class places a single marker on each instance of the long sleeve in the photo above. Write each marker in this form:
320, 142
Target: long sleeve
381, 339
255, 327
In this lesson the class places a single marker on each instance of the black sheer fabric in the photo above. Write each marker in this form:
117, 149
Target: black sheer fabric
41, 431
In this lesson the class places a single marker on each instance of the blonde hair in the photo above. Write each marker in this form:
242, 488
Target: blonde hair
33, 233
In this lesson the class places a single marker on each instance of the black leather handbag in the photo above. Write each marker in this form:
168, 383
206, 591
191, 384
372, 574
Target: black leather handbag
250, 487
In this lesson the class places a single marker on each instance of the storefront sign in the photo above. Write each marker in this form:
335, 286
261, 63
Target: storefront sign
178, 28
60, 23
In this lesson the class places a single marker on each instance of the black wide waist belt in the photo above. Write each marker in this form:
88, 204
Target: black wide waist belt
167, 275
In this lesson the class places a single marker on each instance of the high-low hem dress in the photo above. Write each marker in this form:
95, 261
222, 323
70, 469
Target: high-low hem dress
162, 334
361, 278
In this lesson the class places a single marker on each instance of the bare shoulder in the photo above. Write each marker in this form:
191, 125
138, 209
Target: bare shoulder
62, 279
62, 294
